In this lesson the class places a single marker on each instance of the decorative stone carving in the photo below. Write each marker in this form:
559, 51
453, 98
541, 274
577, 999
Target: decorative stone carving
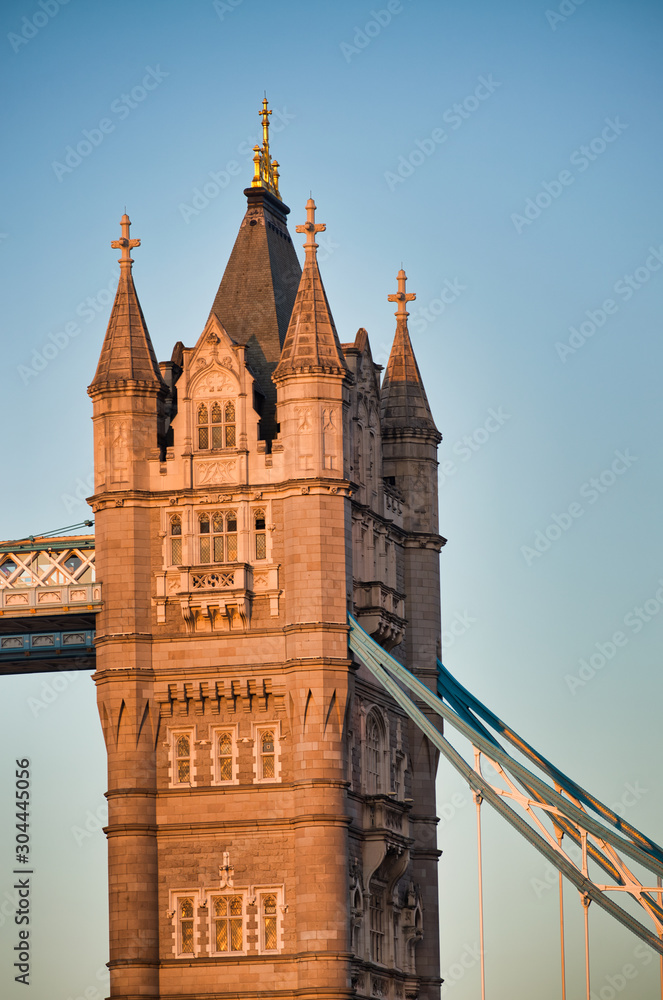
216, 473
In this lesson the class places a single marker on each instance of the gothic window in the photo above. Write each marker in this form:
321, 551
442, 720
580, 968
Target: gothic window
225, 756
267, 753
182, 765
377, 921
216, 425
260, 534
267, 758
185, 944
374, 754
268, 920
175, 540
217, 536
227, 924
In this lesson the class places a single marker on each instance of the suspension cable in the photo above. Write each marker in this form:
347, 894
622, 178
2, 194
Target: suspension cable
560, 835
478, 798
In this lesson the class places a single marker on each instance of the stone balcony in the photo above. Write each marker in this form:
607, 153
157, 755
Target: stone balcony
217, 598
380, 611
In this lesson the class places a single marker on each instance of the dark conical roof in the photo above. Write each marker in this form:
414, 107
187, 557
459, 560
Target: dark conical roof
403, 401
127, 352
257, 292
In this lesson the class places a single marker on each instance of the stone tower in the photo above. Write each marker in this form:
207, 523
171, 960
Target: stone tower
271, 810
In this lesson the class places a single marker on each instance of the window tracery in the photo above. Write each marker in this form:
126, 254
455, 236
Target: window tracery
227, 924
217, 536
216, 425
176, 540
260, 530
374, 754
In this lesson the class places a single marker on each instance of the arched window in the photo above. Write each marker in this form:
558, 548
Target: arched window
269, 936
185, 925
267, 753
216, 425
176, 540
218, 536
225, 755
183, 757
228, 915
260, 534
374, 754
377, 924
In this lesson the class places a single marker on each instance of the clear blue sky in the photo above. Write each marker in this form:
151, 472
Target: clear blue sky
510, 158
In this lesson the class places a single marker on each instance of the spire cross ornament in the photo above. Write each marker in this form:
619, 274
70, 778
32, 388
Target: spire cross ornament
311, 227
401, 296
125, 244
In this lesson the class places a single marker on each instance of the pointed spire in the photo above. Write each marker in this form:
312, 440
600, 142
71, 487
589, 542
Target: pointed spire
311, 343
403, 398
265, 171
127, 352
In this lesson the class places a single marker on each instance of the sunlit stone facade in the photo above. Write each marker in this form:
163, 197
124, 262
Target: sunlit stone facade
271, 811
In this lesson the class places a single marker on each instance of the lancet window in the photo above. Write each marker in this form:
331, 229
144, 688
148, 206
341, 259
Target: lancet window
374, 754
217, 536
377, 924
267, 753
176, 540
216, 425
259, 526
182, 758
225, 754
185, 941
268, 920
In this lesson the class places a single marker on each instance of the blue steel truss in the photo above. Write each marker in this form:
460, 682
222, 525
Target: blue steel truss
563, 804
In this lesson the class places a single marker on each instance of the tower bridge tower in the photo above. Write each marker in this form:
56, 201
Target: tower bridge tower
271, 812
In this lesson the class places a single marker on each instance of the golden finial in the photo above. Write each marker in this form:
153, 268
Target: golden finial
311, 227
265, 171
125, 244
264, 114
401, 296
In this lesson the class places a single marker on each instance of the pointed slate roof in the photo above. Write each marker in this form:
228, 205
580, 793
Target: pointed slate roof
127, 352
311, 343
258, 289
403, 401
